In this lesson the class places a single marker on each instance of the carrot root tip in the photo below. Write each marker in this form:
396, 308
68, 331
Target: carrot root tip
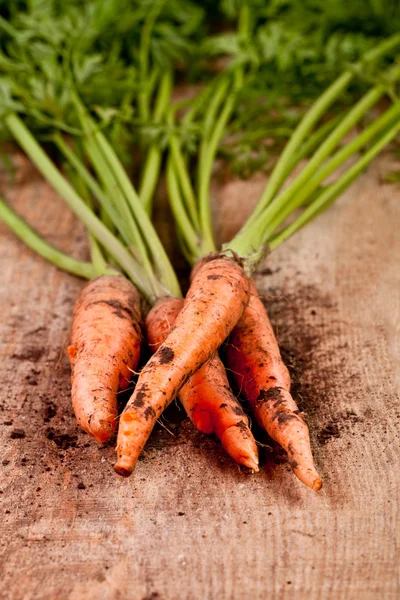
122, 471
309, 477
100, 429
242, 448
317, 484
248, 462
125, 465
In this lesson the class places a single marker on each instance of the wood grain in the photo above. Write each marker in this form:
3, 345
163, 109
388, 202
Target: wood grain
190, 525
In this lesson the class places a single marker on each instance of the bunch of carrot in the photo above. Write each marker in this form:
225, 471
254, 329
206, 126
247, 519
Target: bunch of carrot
133, 293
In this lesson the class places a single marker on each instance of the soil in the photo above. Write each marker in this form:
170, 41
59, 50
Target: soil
32, 353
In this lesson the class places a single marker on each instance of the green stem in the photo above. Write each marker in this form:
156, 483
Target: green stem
251, 236
117, 131
207, 151
335, 189
146, 231
37, 244
99, 151
144, 52
184, 226
96, 255
244, 23
381, 124
196, 104
111, 183
93, 186
114, 191
8, 28
312, 117
164, 268
151, 173
151, 169
188, 255
312, 143
115, 201
35, 152
184, 180
219, 93
163, 97
214, 130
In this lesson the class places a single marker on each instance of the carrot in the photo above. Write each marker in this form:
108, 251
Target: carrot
206, 396
253, 355
215, 301
105, 348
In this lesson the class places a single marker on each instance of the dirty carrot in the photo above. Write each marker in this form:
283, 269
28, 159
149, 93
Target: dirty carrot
252, 354
215, 301
106, 335
104, 350
206, 396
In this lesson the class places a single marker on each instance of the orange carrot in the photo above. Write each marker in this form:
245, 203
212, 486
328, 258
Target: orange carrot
254, 358
216, 300
206, 396
104, 350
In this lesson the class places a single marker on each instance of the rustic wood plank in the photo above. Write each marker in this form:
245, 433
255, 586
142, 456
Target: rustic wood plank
189, 524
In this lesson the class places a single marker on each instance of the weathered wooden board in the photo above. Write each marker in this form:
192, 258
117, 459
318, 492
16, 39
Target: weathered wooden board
190, 525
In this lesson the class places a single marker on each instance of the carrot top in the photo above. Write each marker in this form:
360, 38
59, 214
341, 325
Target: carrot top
265, 229
142, 256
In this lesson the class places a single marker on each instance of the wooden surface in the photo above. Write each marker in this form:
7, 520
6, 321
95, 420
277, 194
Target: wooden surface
190, 525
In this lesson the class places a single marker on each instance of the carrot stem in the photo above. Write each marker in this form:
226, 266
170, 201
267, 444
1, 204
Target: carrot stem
191, 238
327, 197
165, 271
322, 104
144, 51
312, 143
35, 152
214, 129
393, 113
188, 195
94, 187
145, 236
31, 239
253, 234
96, 255
208, 150
99, 153
151, 169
